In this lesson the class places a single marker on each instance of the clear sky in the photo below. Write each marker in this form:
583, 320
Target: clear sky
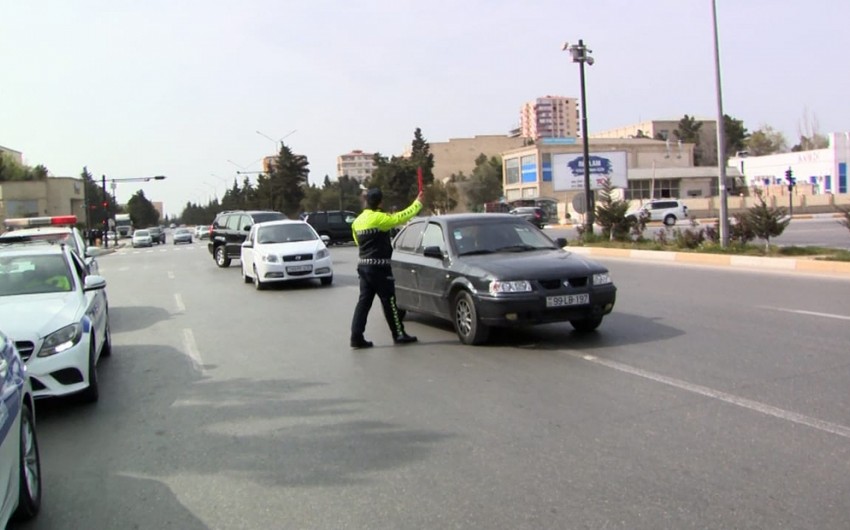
132, 88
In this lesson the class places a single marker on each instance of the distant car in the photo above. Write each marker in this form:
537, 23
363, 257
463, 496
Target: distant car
280, 251
20, 464
202, 232
230, 229
534, 215
336, 224
111, 236
58, 317
142, 238
494, 270
172, 226
181, 235
157, 234
666, 210
57, 229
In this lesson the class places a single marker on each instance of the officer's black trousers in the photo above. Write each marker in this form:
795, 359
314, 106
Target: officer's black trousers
376, 279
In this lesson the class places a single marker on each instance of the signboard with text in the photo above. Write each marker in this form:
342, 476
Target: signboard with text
568, 170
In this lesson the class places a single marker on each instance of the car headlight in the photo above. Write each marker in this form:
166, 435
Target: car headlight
322, 253
270, 258
61, 340
601, 278
517, 286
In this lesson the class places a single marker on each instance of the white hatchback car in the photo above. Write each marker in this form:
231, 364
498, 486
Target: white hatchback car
667, 210
286, 250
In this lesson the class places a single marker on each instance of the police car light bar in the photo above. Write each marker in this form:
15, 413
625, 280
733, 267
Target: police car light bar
32, 222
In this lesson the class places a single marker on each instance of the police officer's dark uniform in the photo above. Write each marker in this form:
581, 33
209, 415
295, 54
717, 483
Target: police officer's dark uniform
371, 232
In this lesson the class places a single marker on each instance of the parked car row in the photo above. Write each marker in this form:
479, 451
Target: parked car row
54, 328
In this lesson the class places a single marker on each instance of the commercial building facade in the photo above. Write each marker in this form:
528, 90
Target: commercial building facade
664, 130
458, 155
47, 197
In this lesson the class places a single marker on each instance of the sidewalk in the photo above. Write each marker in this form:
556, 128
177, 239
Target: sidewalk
840, 269
706, 220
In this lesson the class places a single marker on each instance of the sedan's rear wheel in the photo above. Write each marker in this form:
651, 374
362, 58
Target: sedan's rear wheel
586, 324
221, 258
670, 220
469, 328
29, 487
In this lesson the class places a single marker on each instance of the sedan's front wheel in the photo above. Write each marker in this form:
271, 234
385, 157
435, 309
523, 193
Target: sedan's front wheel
586, 324
469, 328
29, 486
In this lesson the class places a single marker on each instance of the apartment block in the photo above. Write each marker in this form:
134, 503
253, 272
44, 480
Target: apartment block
550, 117
356, 164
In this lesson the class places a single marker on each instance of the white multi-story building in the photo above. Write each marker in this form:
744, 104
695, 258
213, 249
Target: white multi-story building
356, 164
816, 172
550, 117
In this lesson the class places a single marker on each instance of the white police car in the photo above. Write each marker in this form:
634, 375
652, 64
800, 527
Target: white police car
20, 467
54, 229
57, 315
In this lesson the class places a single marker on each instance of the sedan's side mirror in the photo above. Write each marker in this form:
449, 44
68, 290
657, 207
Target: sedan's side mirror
433, 252
247, 244
561, 242
247, 228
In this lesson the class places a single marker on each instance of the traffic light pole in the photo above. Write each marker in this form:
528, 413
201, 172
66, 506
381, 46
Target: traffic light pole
789, 176
105, 214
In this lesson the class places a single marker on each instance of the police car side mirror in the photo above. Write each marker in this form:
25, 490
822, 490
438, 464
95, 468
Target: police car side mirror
94, 282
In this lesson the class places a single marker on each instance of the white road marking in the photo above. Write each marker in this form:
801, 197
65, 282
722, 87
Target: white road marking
191, 348
178, 300
793, 417
170, 275
810, 313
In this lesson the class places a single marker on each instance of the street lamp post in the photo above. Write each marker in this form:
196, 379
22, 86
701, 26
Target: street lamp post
279, 140
580, 54
721, 137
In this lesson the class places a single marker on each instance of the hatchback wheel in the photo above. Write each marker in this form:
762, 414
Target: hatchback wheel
469, 329
327, 280
670, 220
221, 258
29, 487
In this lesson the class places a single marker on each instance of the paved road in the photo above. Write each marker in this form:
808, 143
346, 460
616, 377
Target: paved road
708, 399
801, 232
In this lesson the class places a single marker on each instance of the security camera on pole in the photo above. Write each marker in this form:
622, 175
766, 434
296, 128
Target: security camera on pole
580, 54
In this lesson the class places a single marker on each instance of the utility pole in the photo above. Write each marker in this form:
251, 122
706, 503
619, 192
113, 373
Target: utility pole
105, 214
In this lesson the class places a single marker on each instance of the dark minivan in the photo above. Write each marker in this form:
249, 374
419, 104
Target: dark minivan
336, 224
230, 229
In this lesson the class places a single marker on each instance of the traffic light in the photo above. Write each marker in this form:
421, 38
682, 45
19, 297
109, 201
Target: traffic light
789, 176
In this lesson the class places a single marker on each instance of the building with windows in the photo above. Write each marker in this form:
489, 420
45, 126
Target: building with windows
549, 117
16, 156
650, 169
664, 130
458, 155
40, 198
356, 164
816, 172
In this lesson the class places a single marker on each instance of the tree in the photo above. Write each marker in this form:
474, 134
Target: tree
688, 131
766, 141
10, 169
396, 176
142, 211
736, 135
283, 188
611, 214
765, 221
485, 183
641, 134
444, 197
810, 136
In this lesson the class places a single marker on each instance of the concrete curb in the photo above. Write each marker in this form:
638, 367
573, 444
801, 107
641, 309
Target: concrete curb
835, 268
708, 220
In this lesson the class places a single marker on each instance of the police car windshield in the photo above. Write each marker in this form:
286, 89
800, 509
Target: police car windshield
34, 275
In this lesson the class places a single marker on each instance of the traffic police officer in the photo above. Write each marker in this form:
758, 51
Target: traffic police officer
371, 232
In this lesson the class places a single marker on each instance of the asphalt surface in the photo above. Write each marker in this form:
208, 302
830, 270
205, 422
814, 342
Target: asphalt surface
709, 399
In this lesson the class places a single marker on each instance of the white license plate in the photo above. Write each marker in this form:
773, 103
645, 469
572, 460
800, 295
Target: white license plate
567, 299
299, 268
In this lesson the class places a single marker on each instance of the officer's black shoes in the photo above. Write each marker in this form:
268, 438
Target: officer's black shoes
360, 343
404, 338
